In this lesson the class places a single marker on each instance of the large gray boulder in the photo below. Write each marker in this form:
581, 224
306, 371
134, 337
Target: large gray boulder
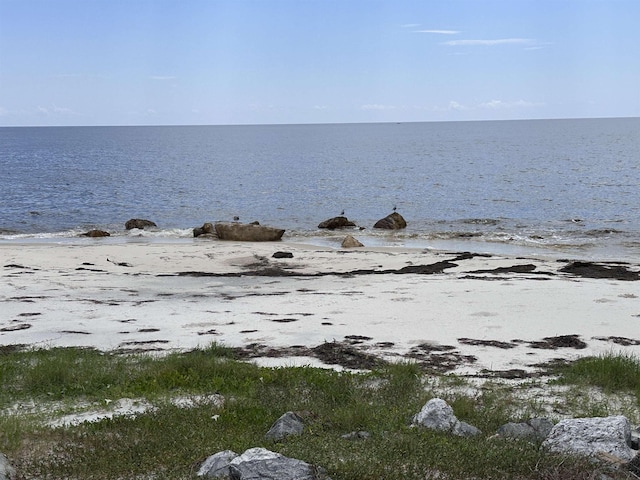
288, 424
438, 415
592, 436
247, 232
394, 221
217, 465
263, 464
7, 472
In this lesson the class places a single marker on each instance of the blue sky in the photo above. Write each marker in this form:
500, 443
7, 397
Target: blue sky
150, 62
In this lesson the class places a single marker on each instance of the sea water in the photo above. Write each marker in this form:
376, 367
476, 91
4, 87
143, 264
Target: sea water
566, 187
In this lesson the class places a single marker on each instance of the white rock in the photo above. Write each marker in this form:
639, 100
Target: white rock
590, 436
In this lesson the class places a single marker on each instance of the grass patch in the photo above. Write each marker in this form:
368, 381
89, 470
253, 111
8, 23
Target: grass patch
610, 372
170, 442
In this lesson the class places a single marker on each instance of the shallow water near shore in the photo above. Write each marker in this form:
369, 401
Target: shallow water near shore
543, 187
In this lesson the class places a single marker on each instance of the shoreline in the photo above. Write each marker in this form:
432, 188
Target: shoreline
456, 312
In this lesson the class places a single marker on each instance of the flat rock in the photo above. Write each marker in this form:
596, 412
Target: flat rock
247, 232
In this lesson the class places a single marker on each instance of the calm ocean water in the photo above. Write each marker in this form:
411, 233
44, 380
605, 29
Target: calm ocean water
565, 187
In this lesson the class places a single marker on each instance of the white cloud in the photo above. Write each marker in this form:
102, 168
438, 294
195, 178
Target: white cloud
410, 25
501, 105
440, 32
320, 107
55, 110
377, 106
453, 105
490, 43
3, 112
162, 77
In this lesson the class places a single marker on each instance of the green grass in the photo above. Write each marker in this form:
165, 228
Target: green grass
611, 372
170, 442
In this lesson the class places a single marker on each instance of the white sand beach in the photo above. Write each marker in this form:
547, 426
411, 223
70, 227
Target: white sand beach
443, 308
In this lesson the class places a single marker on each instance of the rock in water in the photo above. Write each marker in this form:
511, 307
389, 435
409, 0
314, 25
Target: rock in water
138, 223
351, 242
394, 221
590, 436
96, 233
205, 229
246, 232
336, 222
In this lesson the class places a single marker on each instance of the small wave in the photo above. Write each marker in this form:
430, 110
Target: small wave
601, 232
480, 221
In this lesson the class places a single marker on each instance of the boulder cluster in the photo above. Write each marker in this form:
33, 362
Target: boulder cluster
606, 438
138, 223
393, 221
610, 439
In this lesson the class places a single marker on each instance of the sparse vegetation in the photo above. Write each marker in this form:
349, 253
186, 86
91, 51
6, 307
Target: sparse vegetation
169, 441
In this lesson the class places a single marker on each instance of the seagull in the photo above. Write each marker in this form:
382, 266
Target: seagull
342, 213
394, 208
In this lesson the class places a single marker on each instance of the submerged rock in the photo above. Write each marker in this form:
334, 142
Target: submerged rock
96, 233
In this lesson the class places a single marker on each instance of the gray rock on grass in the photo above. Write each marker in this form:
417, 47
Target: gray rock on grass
263, 464
288, 424
217, 465
534, 430
592, 436
7, 472
438, 415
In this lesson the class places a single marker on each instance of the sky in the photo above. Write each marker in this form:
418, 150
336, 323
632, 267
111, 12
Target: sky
220, 62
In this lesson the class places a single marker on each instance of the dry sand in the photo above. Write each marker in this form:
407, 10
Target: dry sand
455, 312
